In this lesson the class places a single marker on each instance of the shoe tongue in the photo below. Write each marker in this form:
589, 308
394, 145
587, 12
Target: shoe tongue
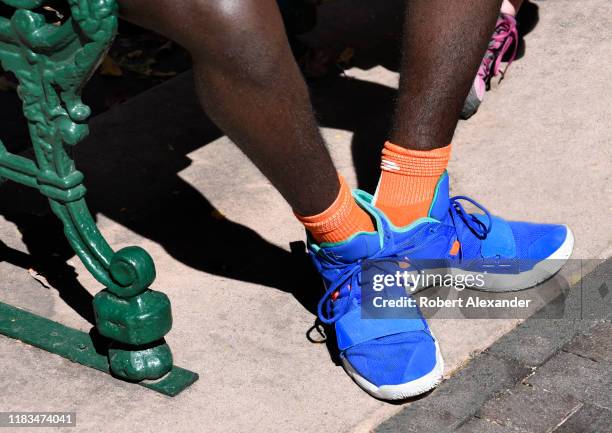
440, 203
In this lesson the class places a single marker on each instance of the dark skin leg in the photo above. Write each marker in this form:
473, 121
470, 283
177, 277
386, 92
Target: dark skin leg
444, 42
251, 87
249, 84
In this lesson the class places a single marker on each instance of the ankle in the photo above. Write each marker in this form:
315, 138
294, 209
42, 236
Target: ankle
343, 219
407, 182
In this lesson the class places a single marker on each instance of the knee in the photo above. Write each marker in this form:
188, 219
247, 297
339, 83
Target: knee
244, 38
234, 35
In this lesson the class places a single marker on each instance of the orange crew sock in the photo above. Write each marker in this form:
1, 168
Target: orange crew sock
408, 180
340, 221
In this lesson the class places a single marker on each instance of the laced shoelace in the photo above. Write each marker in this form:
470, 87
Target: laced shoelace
504, 37
351, 273
480, 229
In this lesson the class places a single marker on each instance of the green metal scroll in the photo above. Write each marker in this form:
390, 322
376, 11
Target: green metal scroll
53, 59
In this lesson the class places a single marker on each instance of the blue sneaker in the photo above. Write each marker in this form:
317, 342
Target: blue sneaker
391, 359
501, 255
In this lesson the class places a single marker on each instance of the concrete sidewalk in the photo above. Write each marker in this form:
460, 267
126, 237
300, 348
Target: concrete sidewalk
161, 176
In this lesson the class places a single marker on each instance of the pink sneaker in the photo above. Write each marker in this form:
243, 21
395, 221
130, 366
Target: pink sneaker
504, 38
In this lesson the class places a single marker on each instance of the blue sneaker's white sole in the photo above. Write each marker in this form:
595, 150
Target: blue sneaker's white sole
542, 271
403, 390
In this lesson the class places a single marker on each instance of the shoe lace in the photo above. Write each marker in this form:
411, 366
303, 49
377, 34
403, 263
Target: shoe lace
350, 273
504, 38
475, 225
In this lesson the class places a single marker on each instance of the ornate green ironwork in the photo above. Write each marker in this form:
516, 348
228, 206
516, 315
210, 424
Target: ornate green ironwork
78, 346
53, 60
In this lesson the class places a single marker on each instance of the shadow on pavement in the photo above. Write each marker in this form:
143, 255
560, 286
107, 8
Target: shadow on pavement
131, 166
131, 171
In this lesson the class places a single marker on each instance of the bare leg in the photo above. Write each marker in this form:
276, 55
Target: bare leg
444, 42
250, 85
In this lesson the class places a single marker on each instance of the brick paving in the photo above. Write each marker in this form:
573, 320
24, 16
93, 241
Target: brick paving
546, 376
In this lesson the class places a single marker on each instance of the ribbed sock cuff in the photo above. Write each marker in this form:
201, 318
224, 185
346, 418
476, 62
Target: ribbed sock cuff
340, 221
408, 180
422, 163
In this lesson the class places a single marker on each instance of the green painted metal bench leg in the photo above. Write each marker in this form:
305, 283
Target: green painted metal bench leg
53, 61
